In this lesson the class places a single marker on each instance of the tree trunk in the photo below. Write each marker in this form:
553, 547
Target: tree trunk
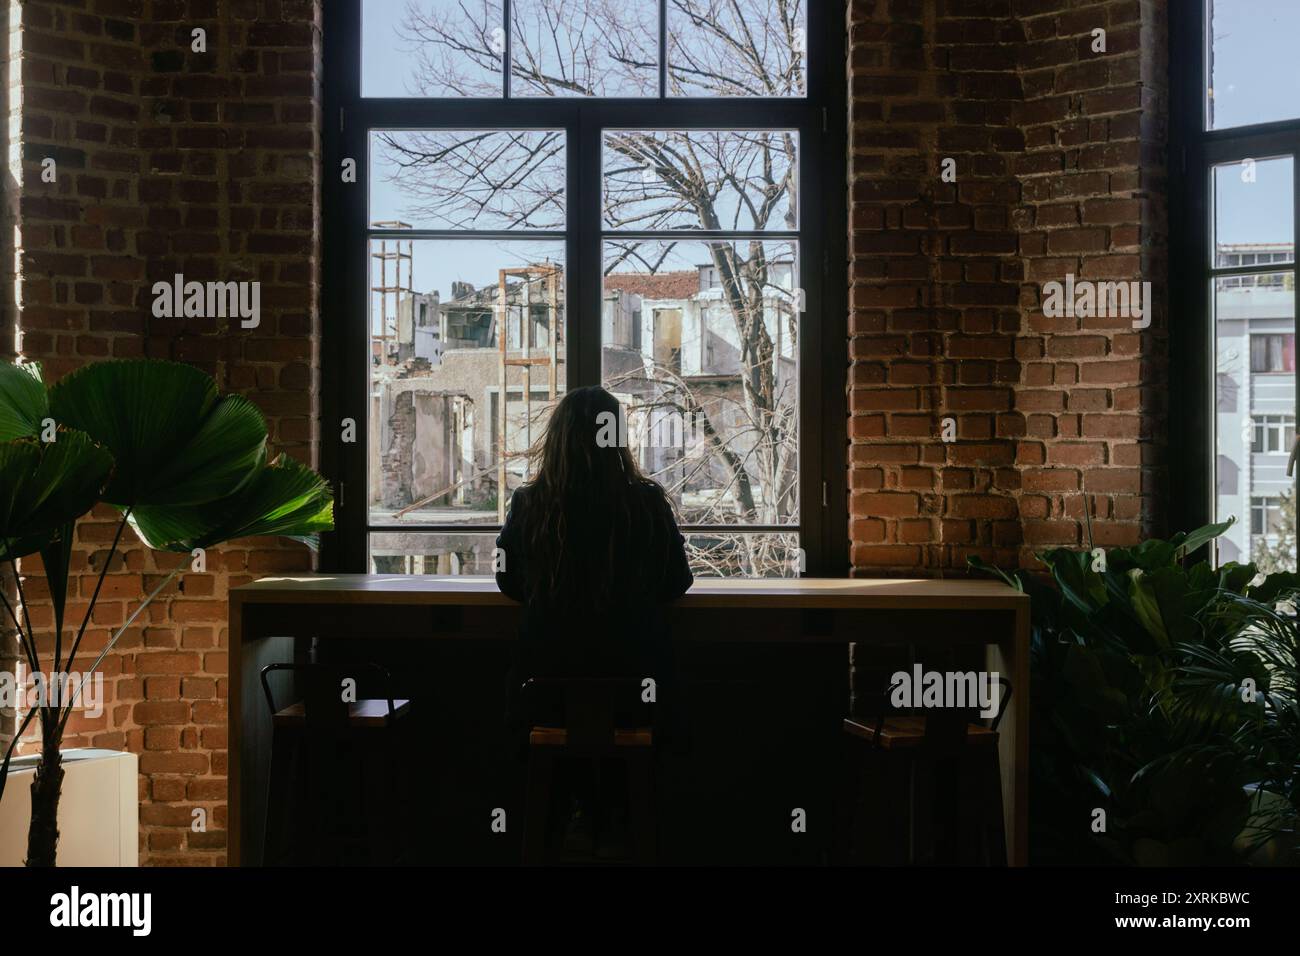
43, 835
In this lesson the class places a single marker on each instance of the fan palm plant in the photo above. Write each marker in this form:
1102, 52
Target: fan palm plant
1138, 668
1244, 690
186, 467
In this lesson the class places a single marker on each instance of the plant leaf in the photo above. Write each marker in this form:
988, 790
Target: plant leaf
979, 564
284, 498
44, 486
1190, 542
23, 402
174, 441
56, 556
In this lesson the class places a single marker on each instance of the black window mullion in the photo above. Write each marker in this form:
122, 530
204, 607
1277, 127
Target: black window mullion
1268, 268
663, 49
573, 247
507, 51
586, 368
1295, 313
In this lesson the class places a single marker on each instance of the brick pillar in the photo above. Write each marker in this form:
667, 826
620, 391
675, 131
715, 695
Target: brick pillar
1058, 168
935, 286
174, 161
1093, 187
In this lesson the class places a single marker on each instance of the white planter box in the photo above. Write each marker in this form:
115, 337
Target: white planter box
99, 811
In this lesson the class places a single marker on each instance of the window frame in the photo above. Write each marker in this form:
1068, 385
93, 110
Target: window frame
1194, 151
821, 120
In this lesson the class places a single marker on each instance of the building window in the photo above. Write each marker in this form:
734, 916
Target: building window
1273, 434
552, 194
1265, 515
1236, 136
1272, 353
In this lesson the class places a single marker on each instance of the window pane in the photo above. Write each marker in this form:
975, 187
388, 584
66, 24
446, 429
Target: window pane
744, 555
436, 425
1250, 40
432, 48
701, 179
737, 48
1253, 213
468, 179
710, 380
581, 48
413, 552
1255, 357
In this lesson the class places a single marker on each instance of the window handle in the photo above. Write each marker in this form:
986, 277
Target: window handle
1290, 462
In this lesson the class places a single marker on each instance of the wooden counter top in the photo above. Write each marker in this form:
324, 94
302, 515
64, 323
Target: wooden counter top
875, 593
270, 616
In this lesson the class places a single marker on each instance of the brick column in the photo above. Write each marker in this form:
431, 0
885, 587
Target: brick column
1093, 187
1058, 168
935, 286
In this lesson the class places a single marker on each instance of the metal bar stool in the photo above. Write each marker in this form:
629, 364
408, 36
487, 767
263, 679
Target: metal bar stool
942, 771
595, 729
323, 749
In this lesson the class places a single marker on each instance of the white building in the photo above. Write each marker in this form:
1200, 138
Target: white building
1255, 395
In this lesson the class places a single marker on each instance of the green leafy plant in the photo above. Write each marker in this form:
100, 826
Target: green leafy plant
186, 467
1143, 750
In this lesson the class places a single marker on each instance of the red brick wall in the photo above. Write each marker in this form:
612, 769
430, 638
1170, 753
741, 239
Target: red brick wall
1057, 154
173, 161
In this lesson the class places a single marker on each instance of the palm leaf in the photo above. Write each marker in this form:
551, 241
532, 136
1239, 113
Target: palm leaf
284, 498
56, 556
175, 442
23, 403
46, 485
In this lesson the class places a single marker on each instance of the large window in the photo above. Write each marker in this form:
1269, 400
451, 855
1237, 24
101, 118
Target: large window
551, 193
1237, 136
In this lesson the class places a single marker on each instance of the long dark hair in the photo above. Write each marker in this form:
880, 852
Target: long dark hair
593, 519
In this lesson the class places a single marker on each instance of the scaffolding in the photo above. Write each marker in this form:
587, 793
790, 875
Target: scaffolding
397, 256
548, 275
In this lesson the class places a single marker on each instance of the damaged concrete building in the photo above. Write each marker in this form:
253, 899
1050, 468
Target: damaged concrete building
671, 344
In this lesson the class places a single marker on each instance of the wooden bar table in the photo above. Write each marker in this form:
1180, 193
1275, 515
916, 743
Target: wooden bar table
269, 616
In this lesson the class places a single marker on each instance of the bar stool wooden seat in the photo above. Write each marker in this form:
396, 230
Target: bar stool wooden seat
898, 733
592, 732
923, 789
336, 762
361, 713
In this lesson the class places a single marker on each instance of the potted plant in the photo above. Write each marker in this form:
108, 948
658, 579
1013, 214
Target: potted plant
1164, 722
186, 467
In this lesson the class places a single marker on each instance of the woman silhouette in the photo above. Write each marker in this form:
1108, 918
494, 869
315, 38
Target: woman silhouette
592, 550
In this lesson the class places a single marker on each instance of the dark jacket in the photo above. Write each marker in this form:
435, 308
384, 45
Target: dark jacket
628, 640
